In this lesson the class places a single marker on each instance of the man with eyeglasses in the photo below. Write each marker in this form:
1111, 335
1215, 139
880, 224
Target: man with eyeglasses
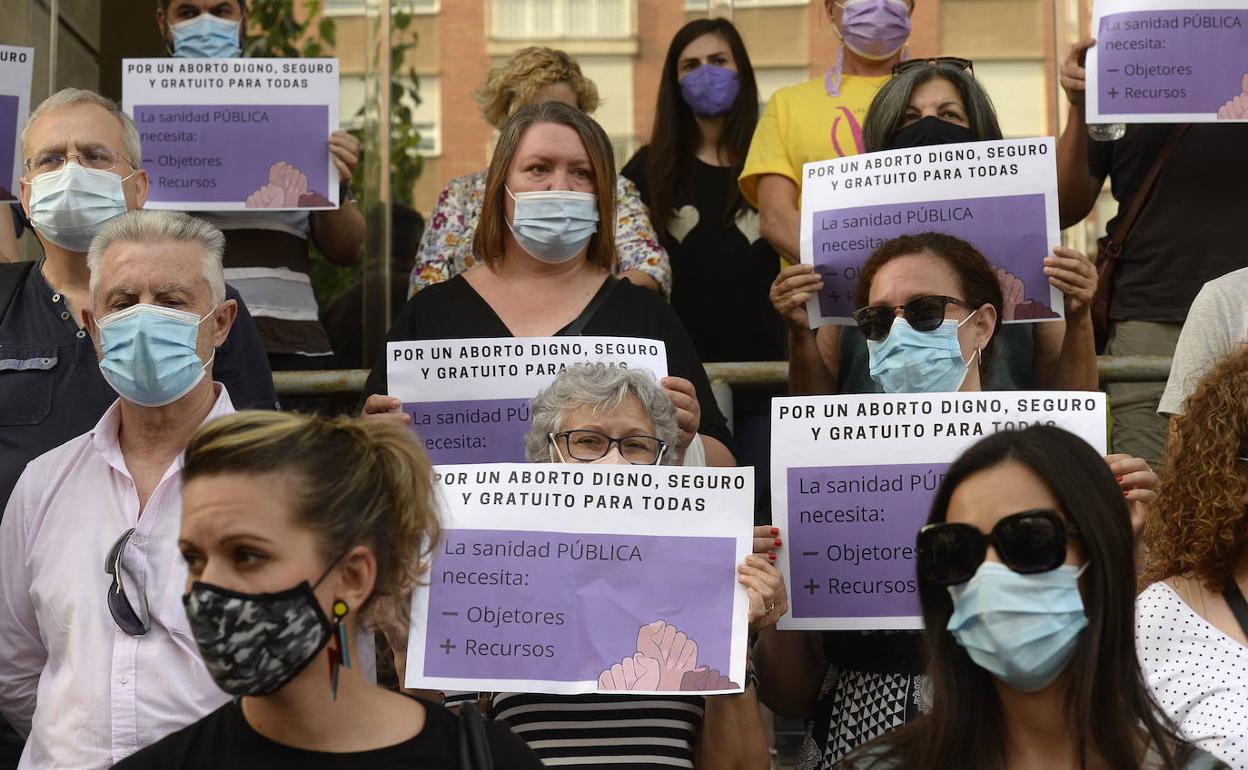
83, 168
99, 660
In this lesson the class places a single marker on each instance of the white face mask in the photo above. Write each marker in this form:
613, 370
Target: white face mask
68, 206
554, 225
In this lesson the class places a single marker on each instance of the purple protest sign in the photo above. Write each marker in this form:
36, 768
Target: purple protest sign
854, 527
534, 605
1010, 230
1154, 63
485, 431
266, 156
8, 140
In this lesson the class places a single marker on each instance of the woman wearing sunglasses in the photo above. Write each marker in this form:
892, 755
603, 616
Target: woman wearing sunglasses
297, 532
1192, 621
1026, 581
929, 102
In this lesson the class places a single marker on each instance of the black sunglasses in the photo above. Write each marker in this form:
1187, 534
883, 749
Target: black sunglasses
925, 314
119, 606
1026, 542
966, 65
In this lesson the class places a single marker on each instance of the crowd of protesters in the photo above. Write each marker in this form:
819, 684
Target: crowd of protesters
176, 576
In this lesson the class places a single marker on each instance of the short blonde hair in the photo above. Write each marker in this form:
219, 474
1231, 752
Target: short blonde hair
513, 85
361, 482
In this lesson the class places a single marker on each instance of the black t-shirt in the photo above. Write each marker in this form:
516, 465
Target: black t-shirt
453, 310
223, 739
721, 274
1192, 227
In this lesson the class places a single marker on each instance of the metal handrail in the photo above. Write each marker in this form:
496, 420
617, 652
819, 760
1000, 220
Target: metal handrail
328, 382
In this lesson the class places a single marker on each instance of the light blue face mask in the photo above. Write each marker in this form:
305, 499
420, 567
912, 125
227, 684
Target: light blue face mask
70, 205
206, 37
1022, 629
554, 225
149, 353
911, 361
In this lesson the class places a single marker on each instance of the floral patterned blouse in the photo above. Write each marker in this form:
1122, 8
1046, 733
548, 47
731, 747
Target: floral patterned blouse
446, 246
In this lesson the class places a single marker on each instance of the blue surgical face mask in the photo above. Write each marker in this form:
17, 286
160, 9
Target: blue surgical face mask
554, 225
206, 37
911, 361
70, 205
149, 353
1022, 629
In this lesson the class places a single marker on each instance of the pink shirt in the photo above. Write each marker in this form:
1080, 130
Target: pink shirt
87, 693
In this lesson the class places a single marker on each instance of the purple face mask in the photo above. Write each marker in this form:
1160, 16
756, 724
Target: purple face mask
710, 90
875, 29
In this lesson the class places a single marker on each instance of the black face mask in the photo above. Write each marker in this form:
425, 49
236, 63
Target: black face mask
928, 131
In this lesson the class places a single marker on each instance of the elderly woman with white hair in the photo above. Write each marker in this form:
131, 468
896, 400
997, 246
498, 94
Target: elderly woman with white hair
594, 413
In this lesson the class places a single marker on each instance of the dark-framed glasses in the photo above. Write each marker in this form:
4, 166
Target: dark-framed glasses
1027, 542
590, 445
966, 65
97, 158
924, 314
125, 586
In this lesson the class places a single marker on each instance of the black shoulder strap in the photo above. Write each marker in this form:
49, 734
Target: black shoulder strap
12, 276
474, 745
578, 325
1235, 599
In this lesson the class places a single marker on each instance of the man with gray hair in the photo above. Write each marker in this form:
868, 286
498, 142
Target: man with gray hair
98, 658
83, 168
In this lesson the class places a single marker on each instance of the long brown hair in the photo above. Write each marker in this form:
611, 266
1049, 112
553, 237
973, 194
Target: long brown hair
1108, 706
489, 241
1199, 524
675, 138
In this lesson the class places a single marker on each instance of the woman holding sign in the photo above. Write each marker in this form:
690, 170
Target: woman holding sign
1027, 584
547, 246
930, 103
297, 532
1192, 622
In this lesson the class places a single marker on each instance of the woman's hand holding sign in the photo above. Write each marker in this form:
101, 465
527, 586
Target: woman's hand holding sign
1073, 274
792, 289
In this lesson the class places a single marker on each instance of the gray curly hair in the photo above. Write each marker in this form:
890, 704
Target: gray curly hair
603, 387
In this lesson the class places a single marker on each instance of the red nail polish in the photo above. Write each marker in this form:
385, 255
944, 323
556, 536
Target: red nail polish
775, 531
779, 542
771, 556
1126, 493
1118, 479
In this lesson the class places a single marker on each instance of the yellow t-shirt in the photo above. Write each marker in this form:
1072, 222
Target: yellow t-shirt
802, 123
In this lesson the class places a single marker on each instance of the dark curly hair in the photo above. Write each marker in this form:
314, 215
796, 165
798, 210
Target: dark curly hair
1199, 524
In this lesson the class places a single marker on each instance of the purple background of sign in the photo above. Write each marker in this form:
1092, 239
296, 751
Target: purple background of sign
1217, 72
8, 140
903, 515
504, 441
296, 134
686, 581
1010, 230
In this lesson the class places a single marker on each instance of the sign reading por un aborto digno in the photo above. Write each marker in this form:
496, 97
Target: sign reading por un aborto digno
16, 68
235, 134
1168, 61
469, 398
1000, 196
585, 578
852, 481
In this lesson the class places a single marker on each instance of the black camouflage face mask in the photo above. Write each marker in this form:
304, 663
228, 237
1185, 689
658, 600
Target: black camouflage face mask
254, 644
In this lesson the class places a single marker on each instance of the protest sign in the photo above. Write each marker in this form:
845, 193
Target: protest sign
1000, 196
469, 398
235, 134
585, 578
16, 69
1168, 61
852, 480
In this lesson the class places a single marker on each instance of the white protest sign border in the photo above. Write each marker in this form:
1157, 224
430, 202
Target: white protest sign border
524, 506
852, 479
223, 99
934, 188
17, 65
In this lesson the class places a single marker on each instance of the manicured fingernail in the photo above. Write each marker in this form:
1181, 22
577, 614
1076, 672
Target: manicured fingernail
1118, 479
1126, 493
775, 531
771, 556
779, 542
